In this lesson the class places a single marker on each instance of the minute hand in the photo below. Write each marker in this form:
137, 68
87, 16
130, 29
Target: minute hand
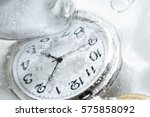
83, 46
51, 76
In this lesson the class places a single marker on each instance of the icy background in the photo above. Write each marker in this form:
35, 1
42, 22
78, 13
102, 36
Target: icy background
21, 19
131, 19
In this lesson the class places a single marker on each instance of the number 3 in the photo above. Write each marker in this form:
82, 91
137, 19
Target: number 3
26, 79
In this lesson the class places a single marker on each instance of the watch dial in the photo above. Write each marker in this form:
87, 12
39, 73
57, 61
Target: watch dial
63, 65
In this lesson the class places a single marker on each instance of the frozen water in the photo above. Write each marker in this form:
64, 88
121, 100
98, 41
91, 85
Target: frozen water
133, 28
21, 19
131, 19
121, 5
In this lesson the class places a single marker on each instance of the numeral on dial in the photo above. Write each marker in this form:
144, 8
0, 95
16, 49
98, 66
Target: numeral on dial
79, 32
58, 91
92, 41
40, 88
44, 40
25, 65
94, 55
92, 71
27, 78
76, 83
31, 49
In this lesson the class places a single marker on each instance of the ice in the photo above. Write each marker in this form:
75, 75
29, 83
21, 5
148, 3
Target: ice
121, 5
20, 19
131, 19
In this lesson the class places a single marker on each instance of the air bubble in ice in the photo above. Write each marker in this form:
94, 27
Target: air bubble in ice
121, 5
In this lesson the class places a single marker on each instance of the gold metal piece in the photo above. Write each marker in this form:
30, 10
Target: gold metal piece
133, 97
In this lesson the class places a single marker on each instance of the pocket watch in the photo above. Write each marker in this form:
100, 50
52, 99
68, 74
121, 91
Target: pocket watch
78, 63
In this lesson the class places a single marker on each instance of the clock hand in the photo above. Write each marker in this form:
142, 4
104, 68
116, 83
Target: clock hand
42, 87
58, 59
48, 55
51, 75
81, 47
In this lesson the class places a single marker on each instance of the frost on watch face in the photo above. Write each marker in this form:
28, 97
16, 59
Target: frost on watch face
61, 66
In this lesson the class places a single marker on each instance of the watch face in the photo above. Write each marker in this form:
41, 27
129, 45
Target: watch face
64, 65
60, 66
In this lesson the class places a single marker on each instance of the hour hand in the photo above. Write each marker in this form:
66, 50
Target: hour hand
48, 55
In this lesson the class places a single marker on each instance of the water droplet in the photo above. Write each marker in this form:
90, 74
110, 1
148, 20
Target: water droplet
121, 5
